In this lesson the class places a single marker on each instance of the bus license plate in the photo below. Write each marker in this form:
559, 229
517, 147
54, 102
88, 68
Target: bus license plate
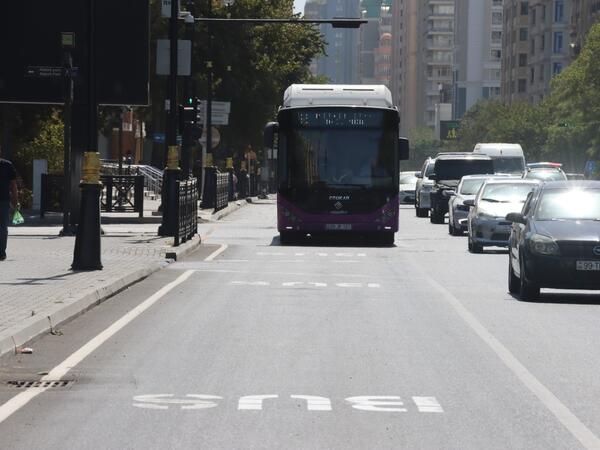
588, 265
338, 226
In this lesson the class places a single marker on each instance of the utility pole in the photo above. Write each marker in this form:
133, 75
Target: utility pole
67, 43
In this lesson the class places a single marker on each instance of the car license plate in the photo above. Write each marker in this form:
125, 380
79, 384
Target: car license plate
588, 265
338, 226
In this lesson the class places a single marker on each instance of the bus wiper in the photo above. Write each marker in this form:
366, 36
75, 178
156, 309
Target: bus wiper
491, 200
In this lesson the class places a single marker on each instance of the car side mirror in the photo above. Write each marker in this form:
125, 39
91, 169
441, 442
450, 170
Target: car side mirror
418, 175
470, 202
516, 218
270, 134
433, 177
403, 149
449, 193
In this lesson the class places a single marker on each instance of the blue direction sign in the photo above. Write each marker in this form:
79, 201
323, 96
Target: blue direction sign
590, 166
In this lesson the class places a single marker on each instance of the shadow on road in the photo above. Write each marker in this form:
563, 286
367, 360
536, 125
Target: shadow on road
333, 240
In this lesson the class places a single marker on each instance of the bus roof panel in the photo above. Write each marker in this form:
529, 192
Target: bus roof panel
298, 95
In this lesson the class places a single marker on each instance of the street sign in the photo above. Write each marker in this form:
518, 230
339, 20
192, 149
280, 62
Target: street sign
590, 166
449, 129
216, 138
166, 8
163, 57
221, 107
159, 138
216, 118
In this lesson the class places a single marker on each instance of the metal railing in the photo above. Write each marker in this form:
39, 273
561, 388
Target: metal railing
123, 193
186, 210
221, 191
153, 177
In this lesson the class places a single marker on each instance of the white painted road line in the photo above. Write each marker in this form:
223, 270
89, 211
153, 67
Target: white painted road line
216, 253
377, 403
564, 415
314, 403
253, 402
428, 404
21, 399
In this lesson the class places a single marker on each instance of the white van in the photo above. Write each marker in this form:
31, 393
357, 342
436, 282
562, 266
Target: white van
508, 158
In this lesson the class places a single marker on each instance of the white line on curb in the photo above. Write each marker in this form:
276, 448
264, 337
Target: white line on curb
216, 253
20, 400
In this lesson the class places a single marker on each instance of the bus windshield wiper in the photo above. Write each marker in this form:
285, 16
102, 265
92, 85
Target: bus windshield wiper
491, 200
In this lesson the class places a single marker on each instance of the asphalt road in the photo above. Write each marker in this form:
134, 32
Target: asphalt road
317, 346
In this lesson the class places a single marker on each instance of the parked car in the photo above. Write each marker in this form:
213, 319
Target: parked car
423, 188
486, 223
545, 174
449, 169
508, 158
555, 239
467, 190
408, 186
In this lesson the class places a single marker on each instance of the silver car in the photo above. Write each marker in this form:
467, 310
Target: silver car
408, 185
466, 190
423, 188
487, 224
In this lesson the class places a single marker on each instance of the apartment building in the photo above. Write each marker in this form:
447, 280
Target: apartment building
549, 51
404, 67
477, 52
435, 84
584, 13
515, 45
340, 64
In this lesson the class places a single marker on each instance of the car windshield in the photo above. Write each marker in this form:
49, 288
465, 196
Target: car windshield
509, 165
429, 169
471, 186
456, 169
506, 193
569, 204
546, 175
408, 178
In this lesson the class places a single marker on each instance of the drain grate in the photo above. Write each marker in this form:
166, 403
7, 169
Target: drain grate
21, 384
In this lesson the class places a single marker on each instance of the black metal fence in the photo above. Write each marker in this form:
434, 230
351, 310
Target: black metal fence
123, 193
186, 210
222, 191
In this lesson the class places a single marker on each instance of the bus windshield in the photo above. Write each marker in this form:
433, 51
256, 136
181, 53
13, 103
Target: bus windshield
351, 148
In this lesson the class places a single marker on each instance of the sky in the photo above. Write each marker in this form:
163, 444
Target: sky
299, 5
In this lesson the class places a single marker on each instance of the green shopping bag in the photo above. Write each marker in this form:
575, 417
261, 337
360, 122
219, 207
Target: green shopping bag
17, 218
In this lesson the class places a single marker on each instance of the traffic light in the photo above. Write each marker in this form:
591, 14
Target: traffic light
188, 118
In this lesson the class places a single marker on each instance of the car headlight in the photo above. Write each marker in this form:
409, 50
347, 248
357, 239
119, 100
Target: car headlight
543, 245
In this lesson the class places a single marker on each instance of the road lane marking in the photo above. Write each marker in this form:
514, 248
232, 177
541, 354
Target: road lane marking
216, 253
297, 284
378, 403
428, 405
253, 402
314, 402
163, 401
563, 414
21, 399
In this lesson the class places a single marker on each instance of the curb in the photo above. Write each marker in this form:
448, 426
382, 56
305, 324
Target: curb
231, 208
37, 326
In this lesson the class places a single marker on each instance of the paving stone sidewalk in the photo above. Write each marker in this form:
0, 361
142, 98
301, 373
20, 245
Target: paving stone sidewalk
38, 289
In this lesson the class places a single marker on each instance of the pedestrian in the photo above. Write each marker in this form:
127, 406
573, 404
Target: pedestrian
8, 199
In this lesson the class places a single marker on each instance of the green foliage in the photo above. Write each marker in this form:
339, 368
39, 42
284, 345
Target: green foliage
422, 145
47, 144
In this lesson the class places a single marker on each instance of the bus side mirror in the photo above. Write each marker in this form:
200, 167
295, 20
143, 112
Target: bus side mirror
403, 149
271, 130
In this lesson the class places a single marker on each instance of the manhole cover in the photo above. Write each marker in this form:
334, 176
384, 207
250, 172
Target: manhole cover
21, 384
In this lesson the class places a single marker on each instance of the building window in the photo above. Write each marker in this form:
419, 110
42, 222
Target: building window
542, 72
496, 36
542, 42
559, 10
522, 59
533, 11
558, 42
496, 54
557, 68
523, 34
497, 18
532, 75
524, 8
522, 85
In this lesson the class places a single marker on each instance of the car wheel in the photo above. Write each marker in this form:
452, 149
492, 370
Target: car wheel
514, 285
422, 212
475, 248
527, 291
436, 217
455, 231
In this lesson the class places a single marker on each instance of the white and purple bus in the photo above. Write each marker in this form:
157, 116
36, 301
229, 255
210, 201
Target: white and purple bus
338, 161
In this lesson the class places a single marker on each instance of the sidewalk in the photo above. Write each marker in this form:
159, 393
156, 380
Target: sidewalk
38, 289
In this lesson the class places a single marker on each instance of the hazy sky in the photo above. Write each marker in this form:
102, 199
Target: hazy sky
299, 5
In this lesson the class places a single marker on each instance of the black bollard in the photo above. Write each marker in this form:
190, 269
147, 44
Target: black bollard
231, 190
87, 241
171, 175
